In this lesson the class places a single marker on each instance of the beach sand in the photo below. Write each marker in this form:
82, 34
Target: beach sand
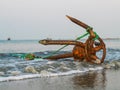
93, 80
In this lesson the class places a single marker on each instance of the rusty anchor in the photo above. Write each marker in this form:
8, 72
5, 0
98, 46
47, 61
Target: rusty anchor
81, 51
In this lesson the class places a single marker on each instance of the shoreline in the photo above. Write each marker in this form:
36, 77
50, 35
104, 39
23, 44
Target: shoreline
94, 80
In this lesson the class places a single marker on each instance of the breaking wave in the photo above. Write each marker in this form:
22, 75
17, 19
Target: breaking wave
12, 67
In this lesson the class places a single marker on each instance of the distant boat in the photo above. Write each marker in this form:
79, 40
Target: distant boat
9, 39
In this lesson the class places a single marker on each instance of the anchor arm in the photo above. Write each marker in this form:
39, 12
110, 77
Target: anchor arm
61, 42
85, 26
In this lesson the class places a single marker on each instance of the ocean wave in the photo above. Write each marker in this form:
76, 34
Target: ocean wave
14, 67
45, 73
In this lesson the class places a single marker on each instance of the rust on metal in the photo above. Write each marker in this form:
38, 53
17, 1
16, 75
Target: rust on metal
82, 51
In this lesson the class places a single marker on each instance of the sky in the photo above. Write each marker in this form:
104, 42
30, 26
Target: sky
40, 19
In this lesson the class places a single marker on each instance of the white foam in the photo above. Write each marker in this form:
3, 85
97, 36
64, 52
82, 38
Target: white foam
21, 77
13, 78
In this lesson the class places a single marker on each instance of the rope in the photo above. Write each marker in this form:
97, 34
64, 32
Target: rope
31, 56
78, 38
96, 36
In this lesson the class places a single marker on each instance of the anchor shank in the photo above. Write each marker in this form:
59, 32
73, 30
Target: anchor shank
66, 55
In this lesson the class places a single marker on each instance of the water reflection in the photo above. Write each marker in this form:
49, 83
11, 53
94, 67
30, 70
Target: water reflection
93, 80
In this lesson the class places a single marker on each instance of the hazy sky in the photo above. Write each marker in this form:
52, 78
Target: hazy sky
39, 19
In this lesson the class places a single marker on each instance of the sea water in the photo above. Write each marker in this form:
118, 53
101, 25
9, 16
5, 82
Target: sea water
14, 67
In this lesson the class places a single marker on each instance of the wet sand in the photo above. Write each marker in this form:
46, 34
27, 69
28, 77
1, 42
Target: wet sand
97, 80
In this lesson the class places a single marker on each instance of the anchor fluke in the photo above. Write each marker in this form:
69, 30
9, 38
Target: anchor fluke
76, 21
